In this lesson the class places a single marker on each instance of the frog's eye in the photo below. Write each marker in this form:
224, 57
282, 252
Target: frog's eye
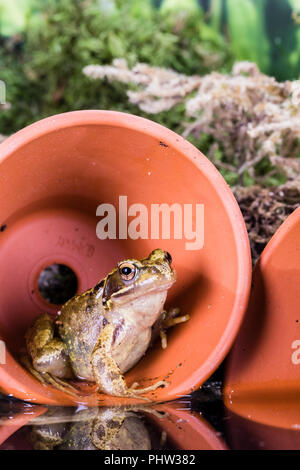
169, 257
127, 271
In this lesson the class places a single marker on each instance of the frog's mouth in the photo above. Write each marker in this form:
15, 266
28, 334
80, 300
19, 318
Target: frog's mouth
136, 291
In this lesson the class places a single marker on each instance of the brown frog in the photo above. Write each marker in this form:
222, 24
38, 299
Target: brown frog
101, 334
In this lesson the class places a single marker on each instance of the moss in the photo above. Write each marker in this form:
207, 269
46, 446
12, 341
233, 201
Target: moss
43, 68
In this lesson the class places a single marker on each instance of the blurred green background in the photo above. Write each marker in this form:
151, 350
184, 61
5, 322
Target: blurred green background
45, 44
263, 31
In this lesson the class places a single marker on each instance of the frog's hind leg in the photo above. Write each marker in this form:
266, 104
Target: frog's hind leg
26, 362
62, 385
46, 378
47, 359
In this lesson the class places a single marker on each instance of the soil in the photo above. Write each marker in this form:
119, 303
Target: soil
264, 210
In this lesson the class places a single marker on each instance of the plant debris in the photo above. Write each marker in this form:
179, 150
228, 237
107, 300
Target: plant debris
250, 121
264, 210
42, 66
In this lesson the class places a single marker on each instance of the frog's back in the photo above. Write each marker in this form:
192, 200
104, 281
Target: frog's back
81, 322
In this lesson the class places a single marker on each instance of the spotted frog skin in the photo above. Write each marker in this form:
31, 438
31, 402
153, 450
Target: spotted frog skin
101, 334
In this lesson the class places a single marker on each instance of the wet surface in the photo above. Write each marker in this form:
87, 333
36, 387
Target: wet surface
200, 421
193, 422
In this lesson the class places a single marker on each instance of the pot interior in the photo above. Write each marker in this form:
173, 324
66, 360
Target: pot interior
51, 187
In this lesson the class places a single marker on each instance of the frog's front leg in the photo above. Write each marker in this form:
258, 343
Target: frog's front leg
107, 373
168, 319
47, 359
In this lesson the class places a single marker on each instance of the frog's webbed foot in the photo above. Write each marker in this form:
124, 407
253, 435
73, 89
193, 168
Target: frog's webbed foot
47, 379
62, 385
134, 392
140, 391
168, 319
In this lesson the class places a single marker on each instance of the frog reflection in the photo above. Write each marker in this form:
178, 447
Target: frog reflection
92, 429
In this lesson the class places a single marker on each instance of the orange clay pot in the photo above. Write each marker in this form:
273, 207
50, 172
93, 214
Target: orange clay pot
264, 424
53, 175
265, 361
10, 425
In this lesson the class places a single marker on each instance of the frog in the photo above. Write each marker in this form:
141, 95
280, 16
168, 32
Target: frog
102, 333
104, 428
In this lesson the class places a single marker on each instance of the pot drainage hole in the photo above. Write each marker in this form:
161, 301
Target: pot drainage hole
57, 283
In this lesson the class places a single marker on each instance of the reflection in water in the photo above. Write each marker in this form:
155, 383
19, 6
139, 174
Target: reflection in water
263, 422
248, 424
92, 429
244, 434
124, 428
252, 422
157, 427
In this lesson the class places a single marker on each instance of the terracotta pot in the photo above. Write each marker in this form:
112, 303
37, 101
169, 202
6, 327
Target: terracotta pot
265, 361
264, 424
281, 413
53, 176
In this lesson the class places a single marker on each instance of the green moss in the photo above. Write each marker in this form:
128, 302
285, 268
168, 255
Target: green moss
43, 72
